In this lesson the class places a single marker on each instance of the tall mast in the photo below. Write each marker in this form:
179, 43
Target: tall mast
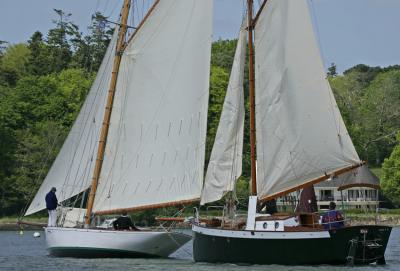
108, 109
252, 99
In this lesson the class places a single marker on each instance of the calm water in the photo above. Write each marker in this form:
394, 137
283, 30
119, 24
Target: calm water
23, 252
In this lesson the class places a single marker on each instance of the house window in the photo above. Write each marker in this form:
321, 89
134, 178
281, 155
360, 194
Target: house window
326, 195
354, 195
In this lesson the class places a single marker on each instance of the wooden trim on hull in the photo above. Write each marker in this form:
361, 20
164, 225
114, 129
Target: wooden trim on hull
333, 250
276, 235
312, 182
147, 207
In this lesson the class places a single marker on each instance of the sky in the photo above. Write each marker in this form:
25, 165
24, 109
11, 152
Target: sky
349, 32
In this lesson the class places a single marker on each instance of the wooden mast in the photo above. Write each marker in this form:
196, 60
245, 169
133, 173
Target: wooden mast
252, 99
107, 112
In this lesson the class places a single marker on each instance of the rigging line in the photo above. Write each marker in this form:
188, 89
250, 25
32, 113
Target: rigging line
86, 172
92, 106
107, 181
117, 3
84, 128
132, 18
316, 24
89, 137
106, 6
97, 6
23, 211
234, 166
143, 7
122, 76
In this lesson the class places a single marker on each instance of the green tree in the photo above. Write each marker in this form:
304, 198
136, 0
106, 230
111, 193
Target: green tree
218, 85
89, 50
363, 73
391, 175
35, 118
40, 60
57, 40
380, 109
13, 64
332, 70
222, 53
100, 37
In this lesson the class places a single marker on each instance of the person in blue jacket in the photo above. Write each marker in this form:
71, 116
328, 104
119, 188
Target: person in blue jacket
332, 219
51, 206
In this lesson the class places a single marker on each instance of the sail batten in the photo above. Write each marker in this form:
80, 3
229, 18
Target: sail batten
300, 132
156, 143
225, 165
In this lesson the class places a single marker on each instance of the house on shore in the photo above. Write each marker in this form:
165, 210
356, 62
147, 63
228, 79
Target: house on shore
359, 189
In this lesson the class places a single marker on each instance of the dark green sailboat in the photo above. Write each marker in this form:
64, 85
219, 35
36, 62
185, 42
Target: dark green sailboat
301, 140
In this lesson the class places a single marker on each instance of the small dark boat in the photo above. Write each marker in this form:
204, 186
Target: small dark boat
301, 140
293, 246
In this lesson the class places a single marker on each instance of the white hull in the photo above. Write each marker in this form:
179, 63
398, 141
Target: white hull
108, 243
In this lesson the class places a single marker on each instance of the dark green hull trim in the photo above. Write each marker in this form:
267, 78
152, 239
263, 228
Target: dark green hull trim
79, 252
354, 245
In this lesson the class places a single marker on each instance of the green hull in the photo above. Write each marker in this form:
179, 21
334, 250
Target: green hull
354, 245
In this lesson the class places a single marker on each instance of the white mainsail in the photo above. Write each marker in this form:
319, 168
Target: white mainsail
72, 170
156, 142
300, 133
225, 165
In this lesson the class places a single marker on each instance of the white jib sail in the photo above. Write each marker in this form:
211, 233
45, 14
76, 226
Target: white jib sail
225, 165
300, 132
72, 170
156, 143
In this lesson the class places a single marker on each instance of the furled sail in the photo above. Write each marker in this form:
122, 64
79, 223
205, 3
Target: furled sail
301, 135
156, 143
225, 164
72, 170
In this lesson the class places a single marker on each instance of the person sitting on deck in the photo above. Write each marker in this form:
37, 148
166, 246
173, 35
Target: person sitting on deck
124, 222
332, 219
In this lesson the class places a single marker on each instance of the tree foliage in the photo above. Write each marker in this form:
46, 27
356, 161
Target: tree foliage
391, 175
369, 100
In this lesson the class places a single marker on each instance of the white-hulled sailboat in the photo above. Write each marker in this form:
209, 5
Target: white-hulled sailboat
139, 140
301, 140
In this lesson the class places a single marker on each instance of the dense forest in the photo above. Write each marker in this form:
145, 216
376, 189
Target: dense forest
44, 81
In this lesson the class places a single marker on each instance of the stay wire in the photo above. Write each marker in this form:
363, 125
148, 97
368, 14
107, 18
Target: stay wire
41, 172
